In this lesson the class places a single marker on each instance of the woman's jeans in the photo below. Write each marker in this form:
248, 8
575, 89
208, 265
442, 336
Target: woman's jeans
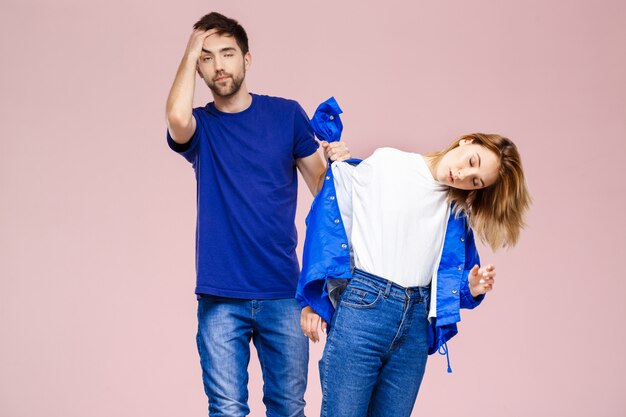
225, 328
376, 350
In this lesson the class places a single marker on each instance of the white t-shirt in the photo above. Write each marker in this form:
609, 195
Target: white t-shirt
399, 216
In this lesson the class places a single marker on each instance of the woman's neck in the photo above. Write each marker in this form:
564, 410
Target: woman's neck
431, 164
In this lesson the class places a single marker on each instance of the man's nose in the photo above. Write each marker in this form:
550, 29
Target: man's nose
218, 64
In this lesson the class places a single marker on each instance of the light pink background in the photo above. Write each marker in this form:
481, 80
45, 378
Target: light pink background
97, 313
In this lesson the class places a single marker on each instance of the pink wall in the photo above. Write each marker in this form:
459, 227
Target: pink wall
97, 315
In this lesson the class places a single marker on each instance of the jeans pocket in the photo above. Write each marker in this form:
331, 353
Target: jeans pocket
358, 298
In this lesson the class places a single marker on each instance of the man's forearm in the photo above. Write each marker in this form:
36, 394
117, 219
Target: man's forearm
313, 170
320, 182
179, 107
180, 100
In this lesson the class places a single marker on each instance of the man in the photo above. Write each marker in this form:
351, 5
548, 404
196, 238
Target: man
244, 149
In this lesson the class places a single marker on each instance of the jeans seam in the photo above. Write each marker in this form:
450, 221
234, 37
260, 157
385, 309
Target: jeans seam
399, 334
329, 344
409, 321
369, 285
261, 356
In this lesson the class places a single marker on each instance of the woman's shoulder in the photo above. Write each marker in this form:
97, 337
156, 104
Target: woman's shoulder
389, 152
388, 155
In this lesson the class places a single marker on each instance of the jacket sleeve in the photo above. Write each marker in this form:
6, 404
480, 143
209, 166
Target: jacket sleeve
471, 259
300, 297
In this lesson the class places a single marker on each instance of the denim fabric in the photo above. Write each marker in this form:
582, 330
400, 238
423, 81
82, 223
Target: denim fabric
225, 328
376, 351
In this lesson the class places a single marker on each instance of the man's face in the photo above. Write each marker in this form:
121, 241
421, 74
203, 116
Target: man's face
222, 65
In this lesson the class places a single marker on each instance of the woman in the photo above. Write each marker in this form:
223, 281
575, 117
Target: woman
389, 259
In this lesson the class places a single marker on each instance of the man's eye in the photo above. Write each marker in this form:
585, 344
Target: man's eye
206, 58
228, 55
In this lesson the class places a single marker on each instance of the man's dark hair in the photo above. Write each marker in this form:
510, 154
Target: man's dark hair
224, 25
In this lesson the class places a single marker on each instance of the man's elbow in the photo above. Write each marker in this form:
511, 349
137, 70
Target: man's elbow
180, 128
178, 119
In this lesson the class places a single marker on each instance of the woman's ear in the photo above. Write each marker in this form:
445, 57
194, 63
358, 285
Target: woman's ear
465, 141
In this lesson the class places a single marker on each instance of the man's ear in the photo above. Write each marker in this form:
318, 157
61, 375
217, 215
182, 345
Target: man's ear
247, 60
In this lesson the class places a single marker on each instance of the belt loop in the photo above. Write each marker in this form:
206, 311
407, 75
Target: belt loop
388, 289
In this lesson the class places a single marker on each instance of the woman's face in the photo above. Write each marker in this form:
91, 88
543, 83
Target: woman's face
468, 167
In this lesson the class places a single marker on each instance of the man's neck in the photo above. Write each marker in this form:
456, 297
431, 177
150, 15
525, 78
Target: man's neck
235, 103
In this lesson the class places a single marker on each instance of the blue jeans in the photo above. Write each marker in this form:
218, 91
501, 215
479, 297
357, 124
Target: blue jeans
225, 328
376, 350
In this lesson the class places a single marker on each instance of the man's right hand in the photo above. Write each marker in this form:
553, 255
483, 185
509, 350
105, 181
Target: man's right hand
309, 322
179, 108
196, 40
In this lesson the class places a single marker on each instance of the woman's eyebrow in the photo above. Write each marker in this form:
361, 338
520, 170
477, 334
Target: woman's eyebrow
478, 155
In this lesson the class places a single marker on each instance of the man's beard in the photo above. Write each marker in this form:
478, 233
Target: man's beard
230, 88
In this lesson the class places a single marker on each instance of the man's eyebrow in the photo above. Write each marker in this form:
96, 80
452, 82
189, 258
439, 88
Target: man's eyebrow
229, 48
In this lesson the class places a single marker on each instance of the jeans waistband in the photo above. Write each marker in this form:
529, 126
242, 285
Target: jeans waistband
391, 288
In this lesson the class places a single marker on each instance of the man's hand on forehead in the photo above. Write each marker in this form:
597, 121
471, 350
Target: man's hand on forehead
196, 41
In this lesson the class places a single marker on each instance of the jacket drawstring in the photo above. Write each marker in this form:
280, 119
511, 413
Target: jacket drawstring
443, 350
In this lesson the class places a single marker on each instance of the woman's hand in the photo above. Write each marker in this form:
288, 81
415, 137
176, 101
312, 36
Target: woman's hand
309, 322
481, 280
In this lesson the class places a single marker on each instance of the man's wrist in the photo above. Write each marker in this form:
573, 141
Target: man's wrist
192, 57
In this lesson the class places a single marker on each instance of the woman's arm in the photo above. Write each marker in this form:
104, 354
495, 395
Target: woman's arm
472, 290
481, 280
309, 322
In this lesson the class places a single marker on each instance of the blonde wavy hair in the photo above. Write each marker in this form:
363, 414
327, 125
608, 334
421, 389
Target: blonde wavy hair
495, 213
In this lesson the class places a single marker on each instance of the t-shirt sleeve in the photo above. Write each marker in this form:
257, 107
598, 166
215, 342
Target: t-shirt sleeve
304, 138
188, 150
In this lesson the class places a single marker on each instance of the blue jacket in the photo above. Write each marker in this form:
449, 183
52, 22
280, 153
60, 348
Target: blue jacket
326, 254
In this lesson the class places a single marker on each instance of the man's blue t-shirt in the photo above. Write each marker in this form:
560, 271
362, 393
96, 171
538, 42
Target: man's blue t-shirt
245, 166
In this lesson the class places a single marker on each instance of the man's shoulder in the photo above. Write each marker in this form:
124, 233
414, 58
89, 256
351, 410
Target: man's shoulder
260, 102
279, 102
205, 110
